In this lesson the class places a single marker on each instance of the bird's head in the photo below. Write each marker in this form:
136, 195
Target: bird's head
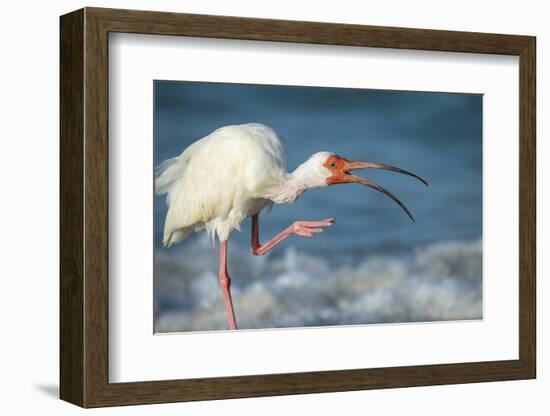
324, 169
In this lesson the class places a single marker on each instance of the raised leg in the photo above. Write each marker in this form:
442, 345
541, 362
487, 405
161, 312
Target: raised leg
225, 282
301, 228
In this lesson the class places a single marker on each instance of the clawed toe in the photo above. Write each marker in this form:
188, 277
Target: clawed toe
308, 228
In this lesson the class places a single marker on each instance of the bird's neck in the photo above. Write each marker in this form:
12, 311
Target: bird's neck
289, 188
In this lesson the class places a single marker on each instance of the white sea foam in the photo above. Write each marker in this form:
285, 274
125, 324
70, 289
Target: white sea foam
439, 281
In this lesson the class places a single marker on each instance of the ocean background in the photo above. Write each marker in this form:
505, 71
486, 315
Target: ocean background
374, 265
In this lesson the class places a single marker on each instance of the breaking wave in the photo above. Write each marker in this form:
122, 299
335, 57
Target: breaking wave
433, 282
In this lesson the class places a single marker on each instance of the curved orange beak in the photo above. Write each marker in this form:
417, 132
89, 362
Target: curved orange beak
341, 174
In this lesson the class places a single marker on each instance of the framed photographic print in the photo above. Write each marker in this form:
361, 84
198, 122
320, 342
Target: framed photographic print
255, 207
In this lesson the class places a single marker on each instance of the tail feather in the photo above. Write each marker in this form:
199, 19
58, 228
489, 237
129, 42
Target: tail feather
167, 173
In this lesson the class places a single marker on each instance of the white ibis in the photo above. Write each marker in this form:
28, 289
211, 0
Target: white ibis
234, 173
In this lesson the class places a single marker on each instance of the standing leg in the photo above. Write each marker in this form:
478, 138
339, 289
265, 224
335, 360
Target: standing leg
225, 282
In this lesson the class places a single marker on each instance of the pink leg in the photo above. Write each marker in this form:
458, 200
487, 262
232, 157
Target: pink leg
225, 282
301, 228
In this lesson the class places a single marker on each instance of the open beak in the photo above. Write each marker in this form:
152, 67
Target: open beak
345, 177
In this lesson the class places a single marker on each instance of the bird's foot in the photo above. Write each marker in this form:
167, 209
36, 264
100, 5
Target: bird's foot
309, 228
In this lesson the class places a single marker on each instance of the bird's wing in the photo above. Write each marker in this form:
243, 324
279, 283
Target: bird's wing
214, 182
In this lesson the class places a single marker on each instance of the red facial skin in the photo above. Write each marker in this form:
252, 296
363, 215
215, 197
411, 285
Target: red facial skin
340, 168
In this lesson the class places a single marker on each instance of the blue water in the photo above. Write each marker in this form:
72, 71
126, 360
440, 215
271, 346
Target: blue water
373, 255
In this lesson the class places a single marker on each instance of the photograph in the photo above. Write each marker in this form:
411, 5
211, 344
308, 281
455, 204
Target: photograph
298, 206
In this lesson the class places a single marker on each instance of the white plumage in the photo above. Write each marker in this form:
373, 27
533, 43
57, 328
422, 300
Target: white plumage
220, 180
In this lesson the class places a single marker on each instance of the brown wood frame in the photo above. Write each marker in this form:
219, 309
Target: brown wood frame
84, 207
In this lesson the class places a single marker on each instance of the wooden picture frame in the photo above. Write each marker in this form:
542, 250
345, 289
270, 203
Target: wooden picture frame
84, 207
